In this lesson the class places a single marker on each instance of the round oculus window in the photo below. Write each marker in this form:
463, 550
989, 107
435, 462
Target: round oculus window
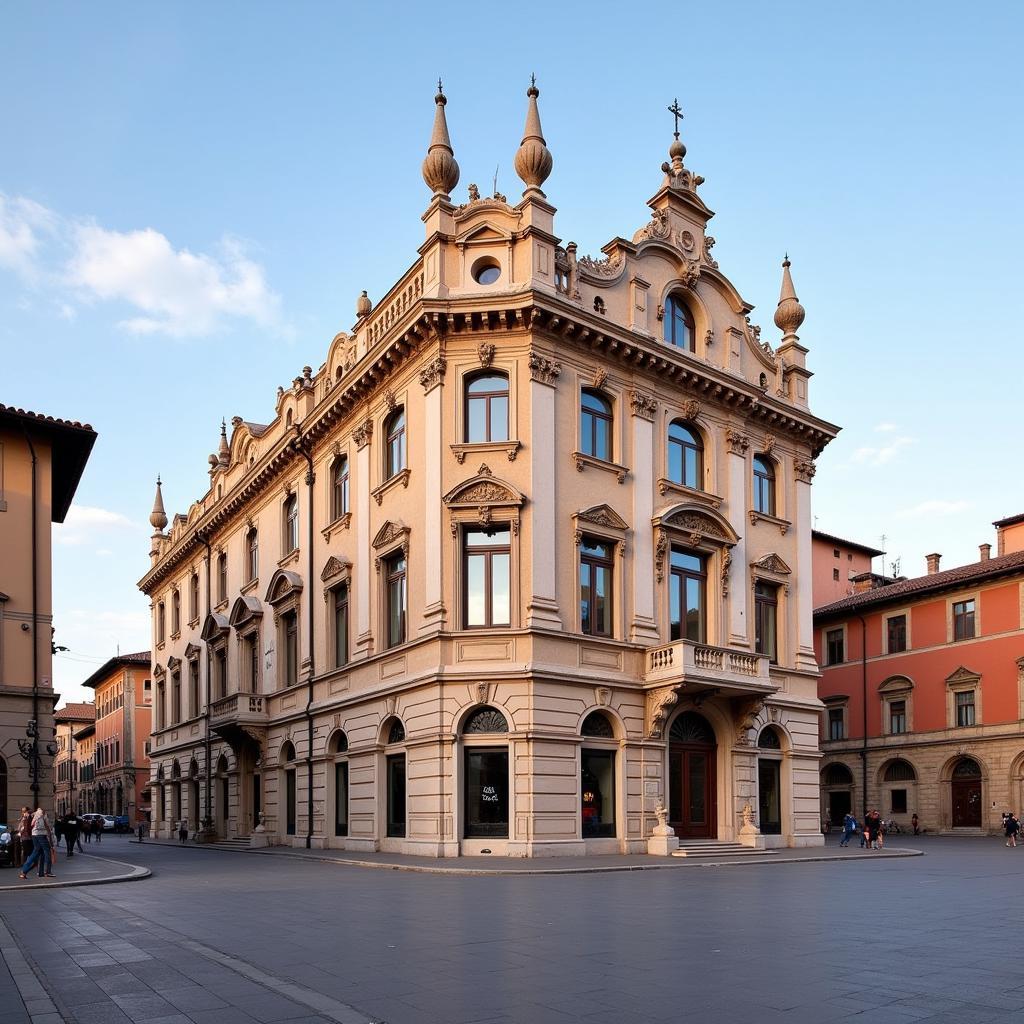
486, 270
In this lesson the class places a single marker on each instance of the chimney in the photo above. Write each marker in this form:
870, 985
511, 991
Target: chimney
933, 563
985, 550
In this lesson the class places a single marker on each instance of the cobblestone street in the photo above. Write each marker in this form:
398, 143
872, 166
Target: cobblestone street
228, 938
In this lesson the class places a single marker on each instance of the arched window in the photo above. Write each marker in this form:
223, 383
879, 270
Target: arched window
690, 727
291, 523
966, 768
396, 732
222, 577
685, 456
679, 328
837, 775
339, 743
487, 408
485, 719
764, 486
288, 751
394, 433
900, 771
252, 553
176, 611
596, 425
339, 487
769, 739
598, 725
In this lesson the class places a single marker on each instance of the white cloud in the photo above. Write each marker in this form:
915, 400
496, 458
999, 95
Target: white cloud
933, 509
23, 226
872, 456
84, 523
163, 289
885, 428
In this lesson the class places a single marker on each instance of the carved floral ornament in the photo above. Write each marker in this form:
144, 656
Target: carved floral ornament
544, 370
334, 568
772, 563
805, 470
483, 498
699, 526
736, 442
642, 405
432, 374
486, 353
709, 244
363, 433
390, 536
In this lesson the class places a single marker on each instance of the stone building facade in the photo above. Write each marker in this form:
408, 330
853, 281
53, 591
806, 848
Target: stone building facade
68, 722
41, 462
521, 568
923, 686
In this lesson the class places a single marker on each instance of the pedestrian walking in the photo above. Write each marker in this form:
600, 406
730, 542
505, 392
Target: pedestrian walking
849, 828
23, 835
916, 826
872, 829
44, 846
1011, 826
183, 831
71, 833
97, 828
86, 829
141, 830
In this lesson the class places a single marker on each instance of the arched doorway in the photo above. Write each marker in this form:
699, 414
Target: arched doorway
692, 752
837, 788
965, 789
769, 782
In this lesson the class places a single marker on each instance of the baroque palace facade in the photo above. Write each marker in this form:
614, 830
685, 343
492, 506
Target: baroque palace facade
523, 568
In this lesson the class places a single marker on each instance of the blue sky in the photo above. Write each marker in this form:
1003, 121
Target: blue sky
211, 186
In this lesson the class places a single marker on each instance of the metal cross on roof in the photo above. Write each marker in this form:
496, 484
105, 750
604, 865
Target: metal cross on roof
677, 113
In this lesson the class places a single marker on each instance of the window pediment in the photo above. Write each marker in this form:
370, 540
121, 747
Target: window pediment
159, 672
698, 522
896, 684
283, 584
244, 610
772, 563
963, 677
483, 489
333, 568
389, 534
173, 664
192, 651
601, 515
215, 627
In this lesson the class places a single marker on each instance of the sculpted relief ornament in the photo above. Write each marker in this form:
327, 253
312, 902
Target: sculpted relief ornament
642, 405
659, 704
805, 470
736, 442
433, 373
362, 434
600, 268
544, 370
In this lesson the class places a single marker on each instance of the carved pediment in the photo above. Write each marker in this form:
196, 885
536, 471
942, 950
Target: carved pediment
485, 233
698, 522
602, 515
390, 533
192, 651
963, 675
895, 684
244, 610
772, 563
334, 567
173, 664
215, 627
283, 584
483, 489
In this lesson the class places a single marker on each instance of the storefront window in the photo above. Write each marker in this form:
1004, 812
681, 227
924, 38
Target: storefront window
396, 795
597, 793
341, 798
487, 793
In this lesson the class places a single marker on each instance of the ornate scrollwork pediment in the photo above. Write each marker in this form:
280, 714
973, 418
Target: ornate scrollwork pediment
483, 489
602, 515
771, 563
215, 627
244, 610
699, 522
334, 567
283, 584
390, 533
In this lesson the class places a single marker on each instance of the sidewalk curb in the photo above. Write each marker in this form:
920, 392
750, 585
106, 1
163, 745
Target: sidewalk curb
658, 864
134, 874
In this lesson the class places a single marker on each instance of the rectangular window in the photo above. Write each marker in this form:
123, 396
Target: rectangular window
896, 634
222, 578
897, 717
396, 795
597, 793
963, 620
397, 600
252, 564
486, 591
193, 598
176, 612
595, 587
766, 606
965, 708
836, 730
289, 796
175, 698
898, 801
835, 575
290, 626
252, 662
220, 664
340, 602
487, 793
193, 688
291, 524
835, 653
159, 710
160, 625
687, 596
341, 798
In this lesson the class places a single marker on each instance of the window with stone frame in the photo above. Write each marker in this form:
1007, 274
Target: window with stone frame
688, 581
685, 455
193, 597
252, 555
486, 569
222, 577
290, 514
396, 598
193, 687
678, 324
963, 619
764, 485
339, 606
896, 693
175, 611
964, 708
175, 715
896, 633
289, 628
161, 627
835, 646
395, 451
250, 644
596, 421
897, 717
219, 665
596, 582
766, 619
486, 409
339, 487
836, 724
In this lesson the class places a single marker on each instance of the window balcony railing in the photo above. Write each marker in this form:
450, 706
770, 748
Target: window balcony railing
239, 707
685, 661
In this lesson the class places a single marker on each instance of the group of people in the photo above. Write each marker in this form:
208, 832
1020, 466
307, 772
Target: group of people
872, 834
37, 842
74, 829
1011, 826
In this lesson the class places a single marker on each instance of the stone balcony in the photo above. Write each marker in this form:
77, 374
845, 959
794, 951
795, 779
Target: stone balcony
700, 667
238, 711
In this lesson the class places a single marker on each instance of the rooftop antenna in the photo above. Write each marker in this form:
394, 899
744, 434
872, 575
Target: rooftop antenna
496, 166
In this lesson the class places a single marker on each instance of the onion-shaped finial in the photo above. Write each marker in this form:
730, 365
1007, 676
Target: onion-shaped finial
158, 517
789, 314
440, 171
533, 158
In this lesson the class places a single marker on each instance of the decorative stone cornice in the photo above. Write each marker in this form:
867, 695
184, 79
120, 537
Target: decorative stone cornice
433, 373
642, 405
544, 370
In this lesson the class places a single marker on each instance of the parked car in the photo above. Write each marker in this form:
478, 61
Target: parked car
108, 822
121, 823
6, 846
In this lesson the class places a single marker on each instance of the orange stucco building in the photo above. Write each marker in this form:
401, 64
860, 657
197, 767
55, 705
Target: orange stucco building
838, 566
124, 702
923, 686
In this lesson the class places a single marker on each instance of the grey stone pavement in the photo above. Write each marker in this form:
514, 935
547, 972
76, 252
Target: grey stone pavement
229, 939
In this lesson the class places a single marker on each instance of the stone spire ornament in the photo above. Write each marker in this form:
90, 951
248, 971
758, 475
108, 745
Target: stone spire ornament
676, 175
363, 305
158, 517
789, 314
224, 452
533, 158
440, 171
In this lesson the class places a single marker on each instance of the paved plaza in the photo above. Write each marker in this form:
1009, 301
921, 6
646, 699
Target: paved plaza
224, 938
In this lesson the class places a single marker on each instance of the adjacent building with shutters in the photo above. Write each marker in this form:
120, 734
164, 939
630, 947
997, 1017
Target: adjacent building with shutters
923, 686
522, 567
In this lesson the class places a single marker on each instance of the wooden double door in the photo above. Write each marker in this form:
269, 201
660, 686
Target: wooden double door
692, 754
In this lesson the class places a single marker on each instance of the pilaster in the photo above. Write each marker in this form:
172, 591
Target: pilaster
736, 513
643, 628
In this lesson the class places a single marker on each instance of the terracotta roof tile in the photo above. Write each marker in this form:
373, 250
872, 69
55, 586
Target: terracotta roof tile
833, 539
75, 713
43, 418
901, 590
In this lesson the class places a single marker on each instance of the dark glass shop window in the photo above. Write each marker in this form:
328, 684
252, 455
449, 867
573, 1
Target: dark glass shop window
341, 798
396, 796
487, 793
597, 793
899, 801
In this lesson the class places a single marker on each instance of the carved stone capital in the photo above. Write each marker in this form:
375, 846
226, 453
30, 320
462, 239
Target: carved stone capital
659, 704
805, 470
433, 373
736, 442
642, 405
544, 370
363, 433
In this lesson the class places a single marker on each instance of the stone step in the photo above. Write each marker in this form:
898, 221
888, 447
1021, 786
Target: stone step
712, 848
